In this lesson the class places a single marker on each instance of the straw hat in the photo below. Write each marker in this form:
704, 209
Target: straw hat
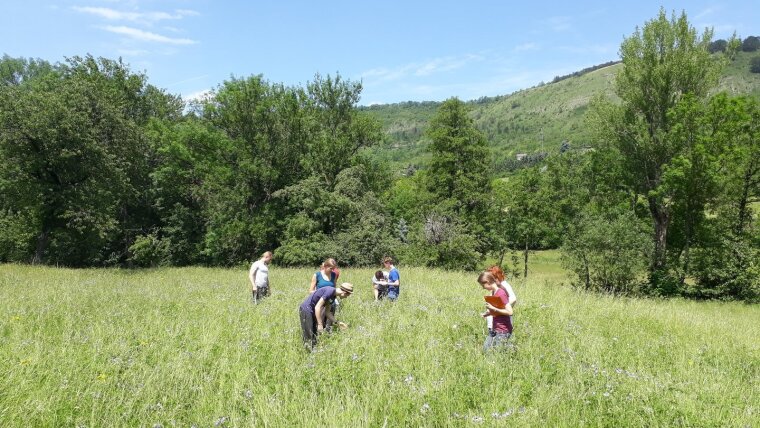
348, 288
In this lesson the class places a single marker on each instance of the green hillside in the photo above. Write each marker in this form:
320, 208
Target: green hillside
522, 121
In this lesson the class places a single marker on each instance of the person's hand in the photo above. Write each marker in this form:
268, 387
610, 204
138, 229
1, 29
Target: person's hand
342, 325
485, 314
490, 307
320, 329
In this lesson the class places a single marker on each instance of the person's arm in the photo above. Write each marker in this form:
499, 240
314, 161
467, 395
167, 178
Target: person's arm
313, 286
252, 276
330, 315
511, 292
394, 283
318, 314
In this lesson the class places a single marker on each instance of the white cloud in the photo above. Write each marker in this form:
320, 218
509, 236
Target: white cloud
147, 36
433, 66
141, 17
197, 95
526, 47
707, 12
560, 23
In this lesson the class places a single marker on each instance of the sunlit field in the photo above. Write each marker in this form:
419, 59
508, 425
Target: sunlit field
185, 347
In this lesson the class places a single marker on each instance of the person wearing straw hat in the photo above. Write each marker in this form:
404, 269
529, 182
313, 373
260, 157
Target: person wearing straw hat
316, 308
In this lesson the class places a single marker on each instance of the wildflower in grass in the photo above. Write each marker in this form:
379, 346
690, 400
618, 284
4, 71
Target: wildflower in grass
248, 394
25, 361
102, 377
425, 407
408, 379
478, 419
221, 421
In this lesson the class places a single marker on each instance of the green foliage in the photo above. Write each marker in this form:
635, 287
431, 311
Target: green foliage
148, 250
73, 156
751, 44
459, 169
726, 266
664, 64
607, 252
755, 65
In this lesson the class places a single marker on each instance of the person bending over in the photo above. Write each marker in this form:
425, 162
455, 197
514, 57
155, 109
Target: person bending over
316, 308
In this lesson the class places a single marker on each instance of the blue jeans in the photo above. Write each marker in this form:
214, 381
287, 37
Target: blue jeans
393, 293
496, 340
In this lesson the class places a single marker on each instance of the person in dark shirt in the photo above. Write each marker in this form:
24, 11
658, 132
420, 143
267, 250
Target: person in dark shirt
316, 308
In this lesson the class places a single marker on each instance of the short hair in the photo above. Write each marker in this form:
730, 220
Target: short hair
267, 253
387, 260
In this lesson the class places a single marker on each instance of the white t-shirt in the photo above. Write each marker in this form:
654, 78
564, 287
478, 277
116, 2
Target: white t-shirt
262, 273
508, 288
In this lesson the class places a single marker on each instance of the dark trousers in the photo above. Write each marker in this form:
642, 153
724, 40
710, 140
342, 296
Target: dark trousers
259, 294
308, 329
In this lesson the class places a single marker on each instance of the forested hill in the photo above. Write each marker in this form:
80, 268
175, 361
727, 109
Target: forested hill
528, 121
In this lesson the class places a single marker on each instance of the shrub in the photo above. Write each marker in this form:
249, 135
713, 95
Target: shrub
607, 253
754, 65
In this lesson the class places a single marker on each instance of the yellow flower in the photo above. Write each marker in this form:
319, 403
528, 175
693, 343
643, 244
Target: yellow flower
102, 376
25, 361
16, 318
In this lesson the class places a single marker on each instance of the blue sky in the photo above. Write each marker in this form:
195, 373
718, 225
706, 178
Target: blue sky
400, 50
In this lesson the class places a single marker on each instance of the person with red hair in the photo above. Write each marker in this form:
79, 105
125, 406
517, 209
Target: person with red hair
496, 271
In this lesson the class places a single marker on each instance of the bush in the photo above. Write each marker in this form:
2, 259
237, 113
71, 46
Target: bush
719, 45
607, 253
751, 44
754, 65
728, 268
148, 251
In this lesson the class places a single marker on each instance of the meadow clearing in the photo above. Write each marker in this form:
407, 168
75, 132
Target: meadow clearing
185, 347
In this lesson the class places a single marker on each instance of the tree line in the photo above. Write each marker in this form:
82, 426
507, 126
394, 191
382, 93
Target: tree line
100, 168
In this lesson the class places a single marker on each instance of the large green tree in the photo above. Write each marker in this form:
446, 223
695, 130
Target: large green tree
664, 62
73, 156
460, 168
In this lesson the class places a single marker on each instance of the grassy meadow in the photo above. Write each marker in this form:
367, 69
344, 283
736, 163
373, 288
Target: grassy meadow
185, 347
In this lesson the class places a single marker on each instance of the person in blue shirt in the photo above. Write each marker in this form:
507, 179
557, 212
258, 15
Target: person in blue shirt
394, 279
324, 277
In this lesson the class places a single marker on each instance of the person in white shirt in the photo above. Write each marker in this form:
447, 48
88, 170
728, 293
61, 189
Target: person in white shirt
259, 276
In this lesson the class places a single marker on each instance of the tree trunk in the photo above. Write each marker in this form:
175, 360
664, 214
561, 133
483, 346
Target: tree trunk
743, 202
43, 239
661, 221
525, 274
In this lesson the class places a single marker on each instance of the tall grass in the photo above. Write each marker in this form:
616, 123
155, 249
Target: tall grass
184, 347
